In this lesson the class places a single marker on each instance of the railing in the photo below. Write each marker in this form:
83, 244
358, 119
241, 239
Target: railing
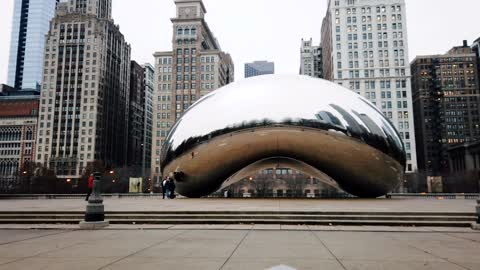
78, 196
437, 196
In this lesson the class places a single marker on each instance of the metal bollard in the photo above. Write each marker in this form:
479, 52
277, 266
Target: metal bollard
95, 211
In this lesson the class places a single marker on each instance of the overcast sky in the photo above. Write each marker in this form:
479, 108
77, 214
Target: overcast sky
269, 29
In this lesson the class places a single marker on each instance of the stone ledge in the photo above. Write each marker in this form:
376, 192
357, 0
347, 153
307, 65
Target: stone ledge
475, 226
94, 225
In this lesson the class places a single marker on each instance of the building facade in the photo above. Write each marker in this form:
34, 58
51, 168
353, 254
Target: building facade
446, 101
311, 59
195, 67
18, 130
31, 20
365, 48
149, 82
136, 122
464, 160
85, 90
258, 68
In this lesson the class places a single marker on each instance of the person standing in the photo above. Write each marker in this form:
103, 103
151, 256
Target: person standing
164, 187
167, 187
172, 189
90, 186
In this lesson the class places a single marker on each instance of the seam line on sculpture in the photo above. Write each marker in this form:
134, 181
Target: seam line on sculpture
328, 249
141, 250
236, 248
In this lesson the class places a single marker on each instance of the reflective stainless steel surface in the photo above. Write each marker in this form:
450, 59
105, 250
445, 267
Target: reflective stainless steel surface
313, 125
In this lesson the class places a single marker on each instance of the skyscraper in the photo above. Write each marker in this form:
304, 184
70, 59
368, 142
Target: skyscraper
446, 100
149, 77
85, 90
365, 48
195, 67
258, 68
136, 122
31, 20
311, 59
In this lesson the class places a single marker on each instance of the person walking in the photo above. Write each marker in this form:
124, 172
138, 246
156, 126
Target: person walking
164, 187
90, 187
167, 187
172, 189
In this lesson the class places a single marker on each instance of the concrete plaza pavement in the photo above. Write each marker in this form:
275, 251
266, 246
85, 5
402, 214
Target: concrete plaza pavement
236, 249
157, 204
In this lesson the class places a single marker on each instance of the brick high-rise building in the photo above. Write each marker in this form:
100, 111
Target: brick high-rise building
85, 90
446, 101
365, 48
18, 130
195, 67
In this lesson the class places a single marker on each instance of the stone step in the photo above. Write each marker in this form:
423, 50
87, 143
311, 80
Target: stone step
318, 213
412, 223
241, 216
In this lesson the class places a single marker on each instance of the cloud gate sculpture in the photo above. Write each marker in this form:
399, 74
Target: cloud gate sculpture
311, 125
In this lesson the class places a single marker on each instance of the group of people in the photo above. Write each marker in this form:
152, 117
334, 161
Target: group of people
168, 188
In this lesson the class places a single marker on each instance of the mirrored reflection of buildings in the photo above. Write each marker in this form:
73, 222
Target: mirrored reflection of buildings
365, 48
258, 68
31, 20
18, 130
283, 183
447, 113
311, 59
85, 90
195, 67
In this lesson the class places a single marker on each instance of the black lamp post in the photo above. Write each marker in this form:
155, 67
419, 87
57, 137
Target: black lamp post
95, 212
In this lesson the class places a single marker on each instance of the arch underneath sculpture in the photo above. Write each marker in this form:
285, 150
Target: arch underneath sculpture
280, 162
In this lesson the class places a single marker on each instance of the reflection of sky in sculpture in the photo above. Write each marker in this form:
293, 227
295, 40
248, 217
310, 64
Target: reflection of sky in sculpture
273, 99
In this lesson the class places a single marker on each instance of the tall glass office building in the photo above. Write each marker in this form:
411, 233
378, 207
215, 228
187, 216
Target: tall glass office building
31, 21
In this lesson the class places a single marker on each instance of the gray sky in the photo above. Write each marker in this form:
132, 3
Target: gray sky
269, 29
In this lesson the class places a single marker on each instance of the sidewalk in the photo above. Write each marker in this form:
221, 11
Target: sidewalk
355, 205
237, 249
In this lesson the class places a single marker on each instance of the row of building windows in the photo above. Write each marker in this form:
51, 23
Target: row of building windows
367, 10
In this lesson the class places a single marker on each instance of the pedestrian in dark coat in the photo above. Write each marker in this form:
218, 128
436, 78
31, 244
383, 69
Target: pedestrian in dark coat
164, 189
172, 189
167, 187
